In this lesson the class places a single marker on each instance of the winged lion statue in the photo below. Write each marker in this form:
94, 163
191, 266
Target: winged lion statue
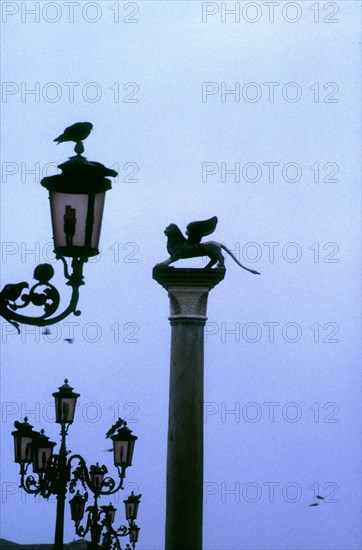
180, 248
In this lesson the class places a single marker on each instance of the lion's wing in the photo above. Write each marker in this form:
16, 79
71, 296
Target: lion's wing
196, 230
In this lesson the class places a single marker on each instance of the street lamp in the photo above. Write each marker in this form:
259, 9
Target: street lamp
123, 447
97, 474
65, 401
23, 438
55, 471
110, 512
100, 521
42, 452
77, 504
77, 197
134, 533
76, 202
132, 503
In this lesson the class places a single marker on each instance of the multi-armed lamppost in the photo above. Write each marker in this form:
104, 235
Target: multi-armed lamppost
100, 520
54, 472
77, 198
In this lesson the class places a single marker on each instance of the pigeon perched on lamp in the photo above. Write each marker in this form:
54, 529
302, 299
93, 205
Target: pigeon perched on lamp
77, 133
120, 422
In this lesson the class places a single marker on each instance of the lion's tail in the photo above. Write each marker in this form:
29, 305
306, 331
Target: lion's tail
237, 261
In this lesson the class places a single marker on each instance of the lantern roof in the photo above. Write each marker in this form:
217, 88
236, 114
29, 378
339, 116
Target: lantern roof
124, 434
80, 176
78, 498
23, 429
133, 499
66, 391
109, 508
42, 441
97, 470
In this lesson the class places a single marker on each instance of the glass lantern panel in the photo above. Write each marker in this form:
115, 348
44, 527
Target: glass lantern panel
41, 459
131, 510
120, 449
23, 449
111, 514
97, 480
133, 534
76, 223
64, 409
130, 452
77, 511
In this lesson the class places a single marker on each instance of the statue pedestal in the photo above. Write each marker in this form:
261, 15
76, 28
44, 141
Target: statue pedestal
188, 291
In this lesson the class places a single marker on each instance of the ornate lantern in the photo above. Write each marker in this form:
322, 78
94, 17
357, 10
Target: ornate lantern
76, 201
23, 439
65, 401
42, 452
110, 512
134, 532
97, 474
123, 447
132, 503
77, 504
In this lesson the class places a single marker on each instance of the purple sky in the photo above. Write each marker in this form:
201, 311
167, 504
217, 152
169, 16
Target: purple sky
253, 117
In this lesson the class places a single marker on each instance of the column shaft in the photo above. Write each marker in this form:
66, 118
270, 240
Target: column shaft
188, 291
185, 437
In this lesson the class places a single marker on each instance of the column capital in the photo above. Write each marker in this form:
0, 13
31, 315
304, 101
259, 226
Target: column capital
188, 289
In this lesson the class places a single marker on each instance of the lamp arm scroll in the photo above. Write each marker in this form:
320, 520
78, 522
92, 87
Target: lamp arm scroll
49, 298
45, 485
81, 474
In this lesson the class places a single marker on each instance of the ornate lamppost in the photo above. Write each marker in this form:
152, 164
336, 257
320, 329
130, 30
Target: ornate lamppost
77, 198
100, 521
55, 472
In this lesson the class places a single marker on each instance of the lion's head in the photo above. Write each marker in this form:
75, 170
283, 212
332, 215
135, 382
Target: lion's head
172, 229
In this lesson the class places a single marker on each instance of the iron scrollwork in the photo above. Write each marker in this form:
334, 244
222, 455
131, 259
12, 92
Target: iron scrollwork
99, 521
43, 294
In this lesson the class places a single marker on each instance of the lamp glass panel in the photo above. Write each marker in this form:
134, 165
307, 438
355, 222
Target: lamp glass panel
77, 510
97, 480
131, 510
133, 534
65, 409
111, 514
120, 449
130, 452
41, 458
69, 218
23, 449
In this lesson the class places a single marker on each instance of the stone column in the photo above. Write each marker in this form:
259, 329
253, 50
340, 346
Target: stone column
188, 290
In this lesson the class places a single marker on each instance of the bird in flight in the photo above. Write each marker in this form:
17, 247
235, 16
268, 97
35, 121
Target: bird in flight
317, 503
77, 132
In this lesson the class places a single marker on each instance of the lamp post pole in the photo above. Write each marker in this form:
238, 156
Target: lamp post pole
61, 491
188, 291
